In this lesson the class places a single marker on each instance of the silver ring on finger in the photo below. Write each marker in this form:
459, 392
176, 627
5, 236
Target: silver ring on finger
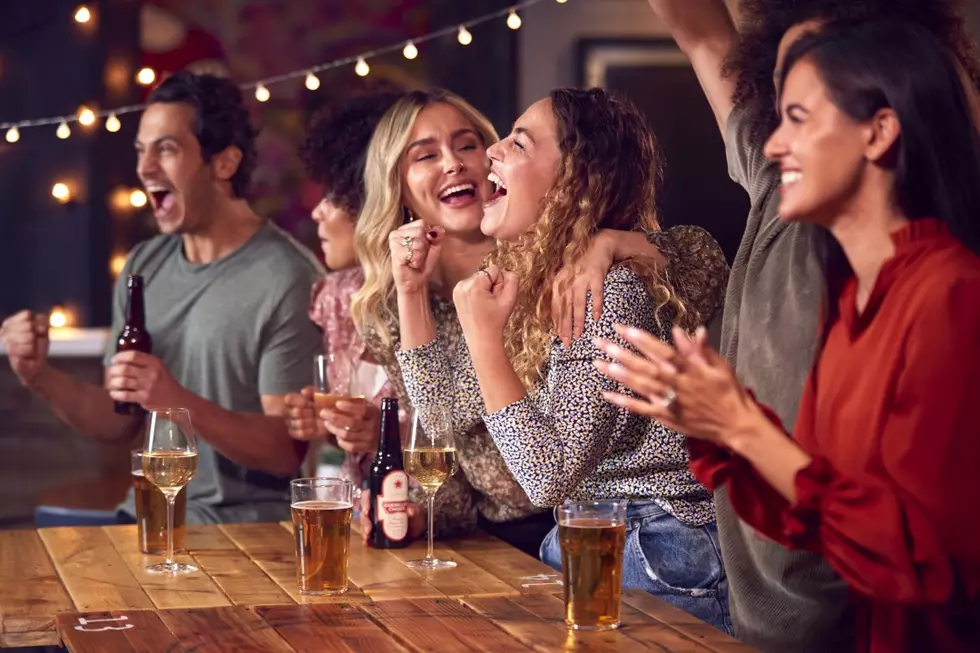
347, 428
407, 258
669, 399
484, 271
408, 241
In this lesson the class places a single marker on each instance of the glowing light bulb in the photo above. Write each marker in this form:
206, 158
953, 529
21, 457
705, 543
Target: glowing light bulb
362, 68
262, 93
312, 82
82, 14
146, 76
561, 2
464, 37
513, 20
86, 116
63, 131
57, 319
13, 135
112, 123
61, 192
137, 198
116, 264
410, 51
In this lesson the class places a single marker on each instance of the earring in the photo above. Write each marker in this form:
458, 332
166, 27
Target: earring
408, 216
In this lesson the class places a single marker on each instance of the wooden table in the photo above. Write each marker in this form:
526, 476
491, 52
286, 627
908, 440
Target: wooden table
58, 583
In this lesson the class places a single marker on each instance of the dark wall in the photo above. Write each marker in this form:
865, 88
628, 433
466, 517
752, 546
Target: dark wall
53, 253
697, 189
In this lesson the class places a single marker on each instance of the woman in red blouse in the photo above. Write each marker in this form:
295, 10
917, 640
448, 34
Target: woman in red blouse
877, 145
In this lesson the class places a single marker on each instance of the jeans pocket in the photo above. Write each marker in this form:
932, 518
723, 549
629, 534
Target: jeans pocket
676, 559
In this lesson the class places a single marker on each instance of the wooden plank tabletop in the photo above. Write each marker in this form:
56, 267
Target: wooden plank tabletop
529, 622
100, 570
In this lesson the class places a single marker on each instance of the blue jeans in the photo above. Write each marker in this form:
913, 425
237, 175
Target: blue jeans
677, 563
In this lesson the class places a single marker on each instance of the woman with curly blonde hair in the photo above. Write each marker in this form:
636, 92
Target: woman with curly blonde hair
575, 163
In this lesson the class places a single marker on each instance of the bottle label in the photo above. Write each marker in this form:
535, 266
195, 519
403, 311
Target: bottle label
392, 506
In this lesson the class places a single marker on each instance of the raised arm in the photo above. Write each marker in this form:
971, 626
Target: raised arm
704, 31
551, 451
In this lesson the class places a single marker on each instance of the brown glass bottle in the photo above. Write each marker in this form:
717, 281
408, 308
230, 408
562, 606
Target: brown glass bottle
134, 336
389, 485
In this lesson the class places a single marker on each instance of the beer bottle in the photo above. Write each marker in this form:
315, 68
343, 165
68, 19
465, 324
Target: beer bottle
134, 336
389, 485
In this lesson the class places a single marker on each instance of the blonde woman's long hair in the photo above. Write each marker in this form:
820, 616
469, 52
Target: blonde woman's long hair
373, 306
608, 178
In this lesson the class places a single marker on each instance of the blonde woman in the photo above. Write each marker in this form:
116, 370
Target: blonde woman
560, 178
427, 160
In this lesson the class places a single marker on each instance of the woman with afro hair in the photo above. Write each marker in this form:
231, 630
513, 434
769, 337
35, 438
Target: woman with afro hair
781, 600
334, 152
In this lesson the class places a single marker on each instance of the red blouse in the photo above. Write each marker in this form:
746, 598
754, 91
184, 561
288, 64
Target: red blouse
891, 418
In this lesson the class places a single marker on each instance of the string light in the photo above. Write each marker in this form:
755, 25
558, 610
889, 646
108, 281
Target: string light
61, 192
117, 264
312, 82
58, 317
86, 116
137, 198
63, 131
260, 87
146, 76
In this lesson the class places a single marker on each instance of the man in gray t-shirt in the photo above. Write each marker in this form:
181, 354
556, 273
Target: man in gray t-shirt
232, 331
226, 296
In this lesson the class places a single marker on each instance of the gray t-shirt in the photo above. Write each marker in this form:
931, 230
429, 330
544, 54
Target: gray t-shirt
228, 331
781, 600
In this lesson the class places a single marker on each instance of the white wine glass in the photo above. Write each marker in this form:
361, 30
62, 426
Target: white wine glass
430, 458
170, 462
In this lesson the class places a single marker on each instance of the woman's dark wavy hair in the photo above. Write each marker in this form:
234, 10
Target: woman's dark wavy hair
763, 22
336, 145
608, 177
869, 66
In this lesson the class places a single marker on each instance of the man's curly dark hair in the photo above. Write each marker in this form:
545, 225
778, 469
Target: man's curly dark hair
221, 118
337, 143
763, 23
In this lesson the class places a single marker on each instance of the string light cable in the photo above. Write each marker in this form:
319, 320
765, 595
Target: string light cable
260, 87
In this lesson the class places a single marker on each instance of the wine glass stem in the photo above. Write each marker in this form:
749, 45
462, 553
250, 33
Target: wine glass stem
432, 500
170, 528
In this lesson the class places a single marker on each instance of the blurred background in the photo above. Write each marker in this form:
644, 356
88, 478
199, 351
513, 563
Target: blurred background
71, 203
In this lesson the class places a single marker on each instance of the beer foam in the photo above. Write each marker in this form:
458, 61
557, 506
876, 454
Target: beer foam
315, 504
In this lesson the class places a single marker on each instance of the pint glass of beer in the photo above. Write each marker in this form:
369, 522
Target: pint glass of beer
151, 512
321, 509
592, 535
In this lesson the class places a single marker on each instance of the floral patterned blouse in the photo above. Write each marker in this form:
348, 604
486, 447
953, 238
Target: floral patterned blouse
483, 485
330, 310
564, 440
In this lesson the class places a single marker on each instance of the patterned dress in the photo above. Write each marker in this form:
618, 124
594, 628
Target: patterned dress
697, 270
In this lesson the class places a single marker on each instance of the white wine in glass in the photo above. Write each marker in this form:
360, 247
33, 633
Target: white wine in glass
430, 458
170, 462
